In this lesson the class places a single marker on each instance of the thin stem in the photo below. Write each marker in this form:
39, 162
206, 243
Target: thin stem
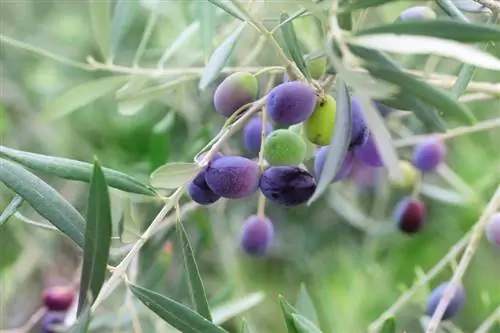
153, 16
457, 131
475, 238
44, 53
432, 273
489, 322
29, 221
116, 277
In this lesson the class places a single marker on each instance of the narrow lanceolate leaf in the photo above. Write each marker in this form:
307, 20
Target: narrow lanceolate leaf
195, 283
175, 314
244, 326
11, 208
232, 309
339, 141
292, 45
220, 57
82, 323
97, 239
100, 15
408, 44
82, 95
225, 6
44, 199
74, 170
173, 175
350, 6
297, 14
431, 95
405, 97
382, 138
123, 17
389, 326
446, 29
470, 6
305, 305
304, 325
288, 310
207, 26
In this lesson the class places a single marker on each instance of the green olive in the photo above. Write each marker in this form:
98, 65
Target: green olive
318, 127
284, 147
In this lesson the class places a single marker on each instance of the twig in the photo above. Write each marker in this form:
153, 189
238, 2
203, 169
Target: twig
116, 277
432, 273
476, 235
489, 322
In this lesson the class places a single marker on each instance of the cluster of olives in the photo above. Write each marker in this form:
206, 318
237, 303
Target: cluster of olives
57, 300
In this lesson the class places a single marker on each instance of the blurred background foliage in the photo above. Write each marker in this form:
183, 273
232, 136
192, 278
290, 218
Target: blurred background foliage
352, 274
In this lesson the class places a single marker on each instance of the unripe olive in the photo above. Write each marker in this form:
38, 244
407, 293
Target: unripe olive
319, 126
284, 147
236, 90
310, 147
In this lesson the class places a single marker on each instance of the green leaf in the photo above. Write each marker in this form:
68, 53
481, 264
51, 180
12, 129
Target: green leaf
299, 13
11, 209
350, 6
44, 199
435, 96
100, 11
176, 314
244, 326
381, 137
122, 20
407, 94
97, 239
408, 44
305, 305
207, 27
288, 310
195, 283
389, 326
441, 28
292, 45
74, 170
220, 57
470, 6
82, 95
304, 325
339, 141
82, 323
228, 9
174, 175
180, 41
232, 309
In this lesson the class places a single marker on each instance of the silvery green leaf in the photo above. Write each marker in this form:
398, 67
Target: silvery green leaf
174, 175
408, 44
232, 309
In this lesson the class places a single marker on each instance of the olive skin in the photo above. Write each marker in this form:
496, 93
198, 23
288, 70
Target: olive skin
237, 90
257, 235
410, 215
319, 126
291, 103
455, 305
284, 147
286, 185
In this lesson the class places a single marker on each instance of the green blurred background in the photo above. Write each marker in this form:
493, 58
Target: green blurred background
353, 275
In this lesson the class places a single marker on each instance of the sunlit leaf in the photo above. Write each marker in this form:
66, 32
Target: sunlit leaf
74, 170
470, 6
227, 8
11, 208
100, 15
299, 13
339, 141
232, 309
97, 239
443, 28
408, 44
220, 57
181, 40
44, 199
292, 45
305, 305
304, 325
288, 310
196, 288
173, 175
176, 314
122, 20
82, 95
244, 327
